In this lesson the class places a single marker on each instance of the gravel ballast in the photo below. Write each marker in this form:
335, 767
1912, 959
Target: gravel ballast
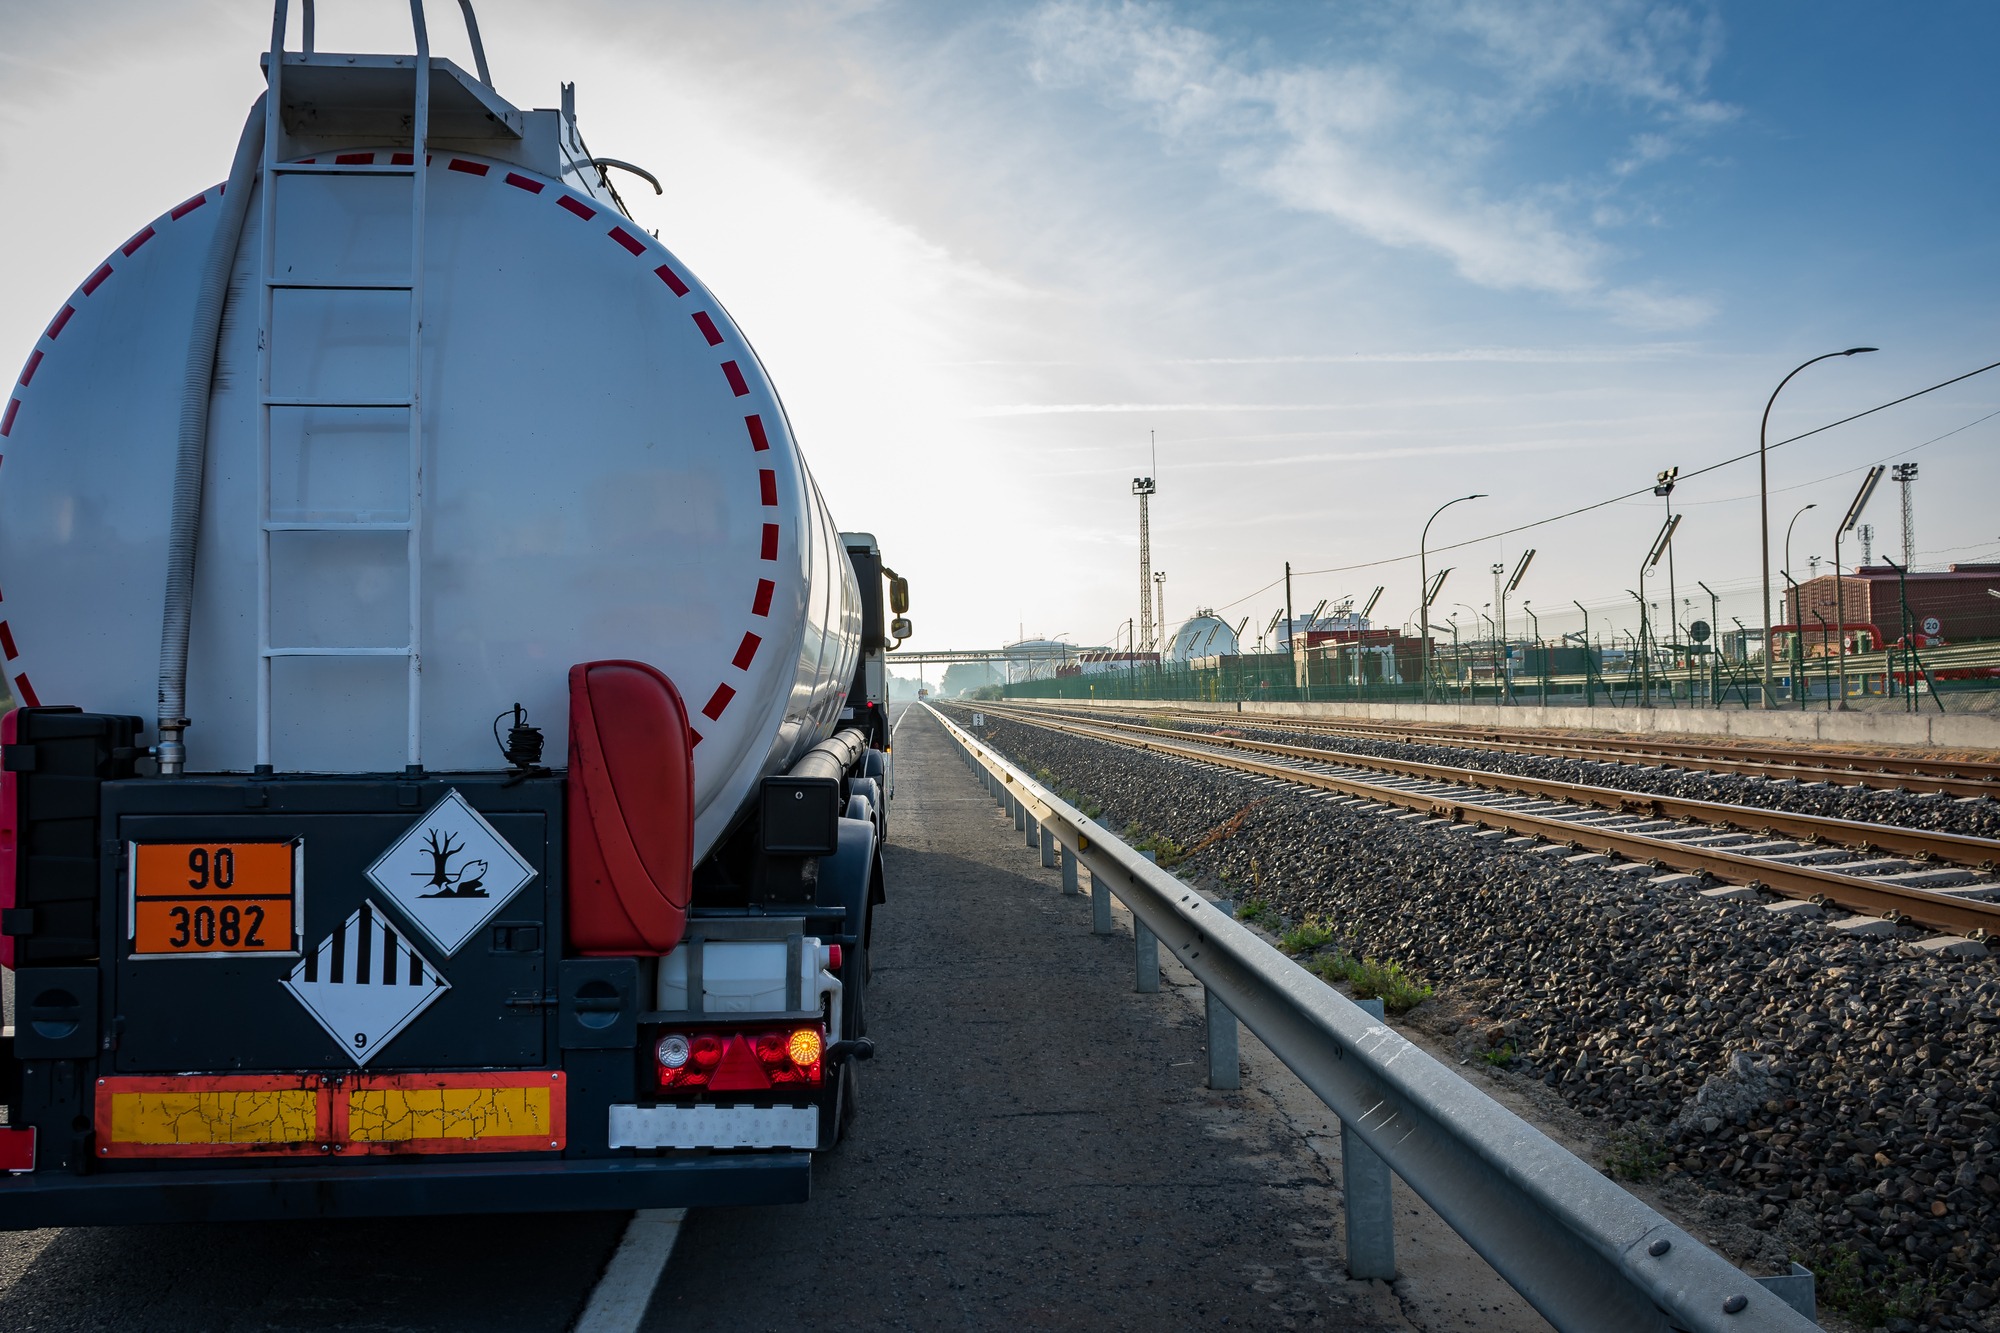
1812, 1096
1876, 805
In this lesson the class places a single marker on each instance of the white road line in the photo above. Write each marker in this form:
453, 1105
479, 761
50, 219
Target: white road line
618, 1303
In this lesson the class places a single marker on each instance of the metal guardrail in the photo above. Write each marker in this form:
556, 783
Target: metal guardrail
1582, 1251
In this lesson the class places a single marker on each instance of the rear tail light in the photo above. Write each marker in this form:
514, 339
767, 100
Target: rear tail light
755, 1060
833, 958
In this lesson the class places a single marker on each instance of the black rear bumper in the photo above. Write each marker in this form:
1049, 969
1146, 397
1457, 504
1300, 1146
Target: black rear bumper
402, 1189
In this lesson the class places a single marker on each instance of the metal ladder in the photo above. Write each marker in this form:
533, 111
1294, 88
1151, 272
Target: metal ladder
271, 284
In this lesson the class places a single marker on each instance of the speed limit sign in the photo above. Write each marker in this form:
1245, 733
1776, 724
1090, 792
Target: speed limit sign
1932, 625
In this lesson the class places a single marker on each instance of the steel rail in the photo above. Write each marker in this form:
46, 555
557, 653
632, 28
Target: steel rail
1969, 917
1921, 844
1944, 776
1969, 778
1585, 1253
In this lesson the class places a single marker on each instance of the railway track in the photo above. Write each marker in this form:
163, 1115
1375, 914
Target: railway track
1944, 777
1899, 875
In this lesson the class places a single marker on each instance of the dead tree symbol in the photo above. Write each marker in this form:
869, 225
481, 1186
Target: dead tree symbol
445, 884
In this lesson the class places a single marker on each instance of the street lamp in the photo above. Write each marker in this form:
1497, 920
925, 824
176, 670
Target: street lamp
1589, 698
1788, 546
1764, 505
1424, 586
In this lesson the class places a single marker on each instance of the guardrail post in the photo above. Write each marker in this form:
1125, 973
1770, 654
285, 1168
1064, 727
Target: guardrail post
1020, 812
1068, 859
1146, 944
1367, 1183
1048, 847
1031, 828
1225, 1069
1147, 979
1100, 905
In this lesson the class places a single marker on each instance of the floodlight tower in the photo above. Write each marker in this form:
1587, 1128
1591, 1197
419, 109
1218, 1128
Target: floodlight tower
1904, 474
1143, 488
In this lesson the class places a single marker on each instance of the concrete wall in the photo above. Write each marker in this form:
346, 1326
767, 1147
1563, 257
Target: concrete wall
1953, 731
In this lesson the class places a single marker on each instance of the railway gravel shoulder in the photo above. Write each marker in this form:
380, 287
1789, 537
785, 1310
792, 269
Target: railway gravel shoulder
1832, 1098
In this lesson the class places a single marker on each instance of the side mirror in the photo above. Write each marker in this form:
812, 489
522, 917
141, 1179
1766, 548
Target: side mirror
899, 597
900, 628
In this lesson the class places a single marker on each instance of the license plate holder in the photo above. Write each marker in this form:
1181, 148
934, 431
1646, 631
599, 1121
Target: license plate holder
217, 899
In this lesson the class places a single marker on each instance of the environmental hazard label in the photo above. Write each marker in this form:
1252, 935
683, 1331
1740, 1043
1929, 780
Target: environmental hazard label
451, 873
365, 983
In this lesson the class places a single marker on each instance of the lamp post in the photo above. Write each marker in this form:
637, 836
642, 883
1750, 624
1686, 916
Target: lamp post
1764, 505
1541, 657
1715, 653
1787, 571
1424, 586
1868, 485
1589, 696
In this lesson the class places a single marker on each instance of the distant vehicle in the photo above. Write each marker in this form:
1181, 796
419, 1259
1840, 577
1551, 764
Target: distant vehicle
458, 441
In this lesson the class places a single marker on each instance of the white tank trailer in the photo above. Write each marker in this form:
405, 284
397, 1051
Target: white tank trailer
420, 504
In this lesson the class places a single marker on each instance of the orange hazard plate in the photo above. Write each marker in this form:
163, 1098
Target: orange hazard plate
214, 899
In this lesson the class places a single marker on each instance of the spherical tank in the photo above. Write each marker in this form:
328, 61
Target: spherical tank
1201, 636
605, 472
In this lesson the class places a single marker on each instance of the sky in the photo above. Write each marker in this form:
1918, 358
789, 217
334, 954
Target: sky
1316, 269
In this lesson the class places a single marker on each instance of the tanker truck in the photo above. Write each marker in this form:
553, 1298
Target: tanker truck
451, 759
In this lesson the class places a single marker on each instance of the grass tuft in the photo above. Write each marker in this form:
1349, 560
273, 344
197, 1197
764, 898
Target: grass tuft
1255, 911
1635, 1154
1374, 978
1306, 937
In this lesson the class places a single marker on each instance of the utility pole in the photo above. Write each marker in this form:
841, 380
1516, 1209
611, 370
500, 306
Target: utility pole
1866, 532
1160, 588
1905, 474
1288, 606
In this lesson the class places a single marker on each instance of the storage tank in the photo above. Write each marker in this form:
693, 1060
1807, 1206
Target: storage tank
601, 469
1203, 635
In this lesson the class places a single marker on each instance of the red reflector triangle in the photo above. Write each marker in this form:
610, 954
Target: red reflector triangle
739, 1070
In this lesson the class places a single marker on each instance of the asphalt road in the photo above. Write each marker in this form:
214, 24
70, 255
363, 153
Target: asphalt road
1036, 1147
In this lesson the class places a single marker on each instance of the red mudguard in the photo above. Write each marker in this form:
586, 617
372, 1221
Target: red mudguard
630, 826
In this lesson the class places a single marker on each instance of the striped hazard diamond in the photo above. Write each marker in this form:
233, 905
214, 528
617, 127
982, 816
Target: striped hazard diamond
365, 983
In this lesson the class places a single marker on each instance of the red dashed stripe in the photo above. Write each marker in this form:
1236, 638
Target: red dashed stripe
672, 279
762, 606
736, 384
767, 486
758, 440
697, 735
744, 650
577, 206
189, 207
406, 159
130, 246
469, 168
354, 159
7, 417
26, 692
520, 182
62, 318
28, 371
629, 241
7, 642
707, 327
97, 279
770, 551
712, 710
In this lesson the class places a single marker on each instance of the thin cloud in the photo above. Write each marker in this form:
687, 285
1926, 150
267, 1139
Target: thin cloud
1400, 161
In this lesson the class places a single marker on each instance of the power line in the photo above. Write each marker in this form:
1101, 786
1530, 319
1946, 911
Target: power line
1644, 490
